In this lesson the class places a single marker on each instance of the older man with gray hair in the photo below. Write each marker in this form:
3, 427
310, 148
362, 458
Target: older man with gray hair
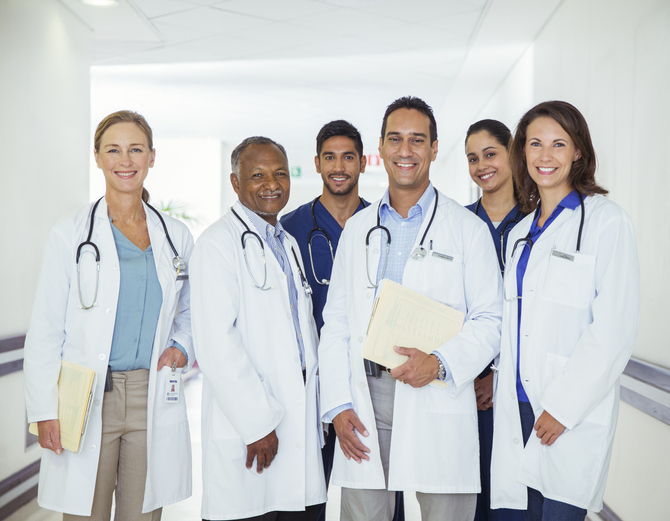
255, 341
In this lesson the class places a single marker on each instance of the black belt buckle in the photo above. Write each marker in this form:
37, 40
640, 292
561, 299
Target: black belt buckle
108, 379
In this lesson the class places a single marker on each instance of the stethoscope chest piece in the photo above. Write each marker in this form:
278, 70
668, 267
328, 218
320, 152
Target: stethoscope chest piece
419, 253
179, 264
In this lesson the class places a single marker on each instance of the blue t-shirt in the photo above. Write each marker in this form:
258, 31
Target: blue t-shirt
509, 222
299, 223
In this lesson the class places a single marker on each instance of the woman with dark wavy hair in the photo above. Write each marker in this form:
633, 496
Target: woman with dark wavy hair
570, 318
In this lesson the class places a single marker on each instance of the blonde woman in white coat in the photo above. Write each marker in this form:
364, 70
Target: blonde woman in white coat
570, 318
135, 325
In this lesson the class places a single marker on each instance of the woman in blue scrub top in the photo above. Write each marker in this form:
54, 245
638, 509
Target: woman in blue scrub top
570, 318
487, 144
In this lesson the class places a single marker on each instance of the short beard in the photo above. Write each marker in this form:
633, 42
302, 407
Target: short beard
341, 194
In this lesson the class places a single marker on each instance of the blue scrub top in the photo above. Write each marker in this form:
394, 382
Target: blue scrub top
509, 222
299, 223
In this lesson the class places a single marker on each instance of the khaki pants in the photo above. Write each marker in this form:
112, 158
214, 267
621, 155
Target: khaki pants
378, 505
123, 451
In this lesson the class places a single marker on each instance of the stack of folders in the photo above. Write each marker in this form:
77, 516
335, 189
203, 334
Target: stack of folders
403, 317
75, 393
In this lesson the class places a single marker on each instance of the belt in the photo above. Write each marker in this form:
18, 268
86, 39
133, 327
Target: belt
374, 369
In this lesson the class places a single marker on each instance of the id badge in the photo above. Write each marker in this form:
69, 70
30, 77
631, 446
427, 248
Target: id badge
172, 387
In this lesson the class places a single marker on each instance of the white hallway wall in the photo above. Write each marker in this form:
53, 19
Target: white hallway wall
611, 59
44, 136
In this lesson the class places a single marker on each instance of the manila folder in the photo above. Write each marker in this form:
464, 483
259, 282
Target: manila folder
403, 317
75, 389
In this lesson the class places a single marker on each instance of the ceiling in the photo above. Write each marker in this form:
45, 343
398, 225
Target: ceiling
174, 31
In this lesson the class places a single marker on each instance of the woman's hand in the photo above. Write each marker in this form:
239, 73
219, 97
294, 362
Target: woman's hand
49, 435
484, 392
171, 355
548, 428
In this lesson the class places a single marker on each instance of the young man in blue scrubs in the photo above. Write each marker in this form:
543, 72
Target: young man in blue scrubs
340, 161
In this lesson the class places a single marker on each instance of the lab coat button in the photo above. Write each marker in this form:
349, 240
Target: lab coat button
96, 402
362, 384
101, 356
299, 445
375, 251
92, 448
295, 359
360, 339
108, 311
368, 294
115, 267
516, 441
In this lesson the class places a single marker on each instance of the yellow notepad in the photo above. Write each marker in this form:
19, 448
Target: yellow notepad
403, 317
75, 391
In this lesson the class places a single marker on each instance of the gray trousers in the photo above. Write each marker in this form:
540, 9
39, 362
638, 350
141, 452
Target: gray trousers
378, 505
123, 451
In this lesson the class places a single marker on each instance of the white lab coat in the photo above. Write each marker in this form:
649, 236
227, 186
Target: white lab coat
60, 329
578, 327
247, 349
435, 443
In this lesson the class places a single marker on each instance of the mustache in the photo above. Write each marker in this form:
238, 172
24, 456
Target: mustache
275, 192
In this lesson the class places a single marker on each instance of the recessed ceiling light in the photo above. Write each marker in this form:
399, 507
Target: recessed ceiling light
101, 3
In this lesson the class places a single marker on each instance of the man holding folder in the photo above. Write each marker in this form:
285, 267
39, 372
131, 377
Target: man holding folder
397, 432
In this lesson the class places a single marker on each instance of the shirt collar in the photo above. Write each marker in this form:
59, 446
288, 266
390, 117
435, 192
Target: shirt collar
570, 201
420, 208
262, 226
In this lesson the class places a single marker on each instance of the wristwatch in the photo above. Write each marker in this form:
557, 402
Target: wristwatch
441, 371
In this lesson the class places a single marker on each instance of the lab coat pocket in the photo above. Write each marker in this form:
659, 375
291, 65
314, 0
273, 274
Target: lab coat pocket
442, 278
222, 429
167, 413
570, 279
554, 365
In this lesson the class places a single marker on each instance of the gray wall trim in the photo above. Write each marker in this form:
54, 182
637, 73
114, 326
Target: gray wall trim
647, 387
11, 354
10, 343
649, 373
608, 515
18, 489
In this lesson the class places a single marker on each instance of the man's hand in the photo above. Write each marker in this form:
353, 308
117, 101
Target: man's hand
484, 392
264, 450
346, 424
49, 435
548, 428
419, 370
170, 355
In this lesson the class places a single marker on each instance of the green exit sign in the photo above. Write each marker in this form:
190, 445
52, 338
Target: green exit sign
296, 171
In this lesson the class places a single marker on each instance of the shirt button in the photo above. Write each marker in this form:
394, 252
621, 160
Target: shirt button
402, 224
300, 335
101, 356
516, 441
399, 253
142, 278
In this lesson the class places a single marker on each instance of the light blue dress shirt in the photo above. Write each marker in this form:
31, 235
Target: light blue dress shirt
138, 307
274, 236
403, 236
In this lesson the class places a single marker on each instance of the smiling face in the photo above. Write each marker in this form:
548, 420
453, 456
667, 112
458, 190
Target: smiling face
550, 153
488, 162
124, 157
339, 165
407, 151
264, 184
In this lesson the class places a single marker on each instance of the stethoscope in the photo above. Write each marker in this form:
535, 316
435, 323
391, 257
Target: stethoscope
506, 226
418, 254
178, 263
316, 229
243, 239
528, 240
